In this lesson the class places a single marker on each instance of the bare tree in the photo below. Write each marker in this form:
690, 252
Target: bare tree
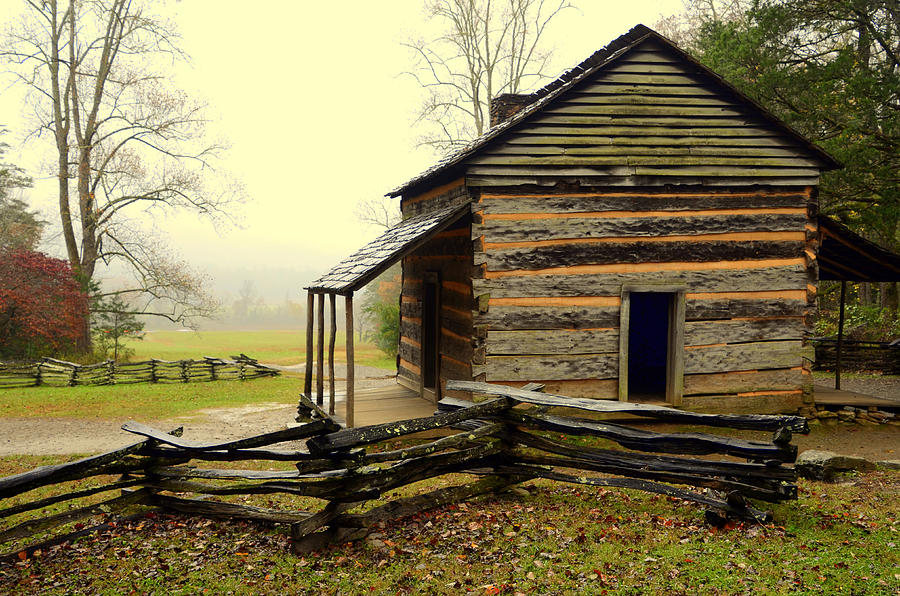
126, 144
487, 47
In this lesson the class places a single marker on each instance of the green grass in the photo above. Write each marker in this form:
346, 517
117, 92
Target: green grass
146, 401
273, 347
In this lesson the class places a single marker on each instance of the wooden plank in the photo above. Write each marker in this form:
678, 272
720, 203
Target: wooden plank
597, 178
570, 138
549, 368
642, 88
737, 357
548, 317
636, 146
743, 382
503, 230
650, 129
608, 284
615, 168
223, 510
667, 109
543, 257
658, 79
648, 121
575, 97
641, 158
730, 308
698, 333
636, 202
586, 341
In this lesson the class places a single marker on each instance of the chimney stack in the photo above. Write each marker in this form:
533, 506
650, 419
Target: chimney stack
505, 106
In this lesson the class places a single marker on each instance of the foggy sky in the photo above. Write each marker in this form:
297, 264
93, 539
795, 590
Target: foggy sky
310, 98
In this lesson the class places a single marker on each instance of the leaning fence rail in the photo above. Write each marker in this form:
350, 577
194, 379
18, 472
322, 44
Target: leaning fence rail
59, 373
499, 441
860, 356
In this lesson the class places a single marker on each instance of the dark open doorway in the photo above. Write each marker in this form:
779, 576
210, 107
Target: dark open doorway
431, 335
648, 345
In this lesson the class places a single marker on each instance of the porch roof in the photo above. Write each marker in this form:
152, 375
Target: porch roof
377, 256
845, 255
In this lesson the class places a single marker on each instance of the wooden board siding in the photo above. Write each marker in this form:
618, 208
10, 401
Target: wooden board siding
552, 267
448, 253
648, 119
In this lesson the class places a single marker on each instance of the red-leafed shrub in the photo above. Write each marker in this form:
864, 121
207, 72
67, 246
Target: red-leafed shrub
43, 310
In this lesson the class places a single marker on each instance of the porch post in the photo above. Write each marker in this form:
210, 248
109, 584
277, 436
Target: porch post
320, 356
331, 300
837, 358
348, 305
310, 305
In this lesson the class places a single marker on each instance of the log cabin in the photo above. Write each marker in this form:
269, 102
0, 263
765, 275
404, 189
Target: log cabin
637, 229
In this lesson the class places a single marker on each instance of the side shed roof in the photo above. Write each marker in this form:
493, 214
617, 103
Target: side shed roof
377, 256
845, 255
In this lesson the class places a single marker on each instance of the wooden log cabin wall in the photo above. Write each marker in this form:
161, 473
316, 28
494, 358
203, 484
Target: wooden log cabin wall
436, 299
638, 205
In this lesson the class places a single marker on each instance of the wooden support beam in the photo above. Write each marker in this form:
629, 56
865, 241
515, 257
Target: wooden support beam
840, 341
348, 305
310, 312
331, 392
320, 351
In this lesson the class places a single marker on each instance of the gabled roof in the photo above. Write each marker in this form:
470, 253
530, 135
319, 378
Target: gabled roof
596, 62
377, 256
845, 255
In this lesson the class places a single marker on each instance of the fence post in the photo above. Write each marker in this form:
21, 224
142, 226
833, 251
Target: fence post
37, 377
73, 375
153, 370
111, 372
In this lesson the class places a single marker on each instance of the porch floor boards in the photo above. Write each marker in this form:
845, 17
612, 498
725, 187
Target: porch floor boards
378, 405
829, 396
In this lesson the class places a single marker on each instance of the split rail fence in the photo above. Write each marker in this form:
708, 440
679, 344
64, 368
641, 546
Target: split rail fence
860, 356
59, 373
499, 441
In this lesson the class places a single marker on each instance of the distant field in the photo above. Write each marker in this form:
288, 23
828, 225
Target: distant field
273, 347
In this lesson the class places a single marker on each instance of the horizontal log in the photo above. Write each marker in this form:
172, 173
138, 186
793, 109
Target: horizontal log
548, 317
436, 446
296, 433
31, 527
766, 493
730, 308
221, 510
746, 422
231, 455
642, 440
743, 381
505, 230
191, 472
549, 368
698, 333
354, 437
543, 257
77, 494
587, 341
748, 279
747, 356
636, 484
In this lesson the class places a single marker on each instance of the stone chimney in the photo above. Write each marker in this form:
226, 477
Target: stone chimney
505, 106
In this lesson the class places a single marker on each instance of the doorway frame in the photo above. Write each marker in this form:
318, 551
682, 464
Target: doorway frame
433, 395
675, 342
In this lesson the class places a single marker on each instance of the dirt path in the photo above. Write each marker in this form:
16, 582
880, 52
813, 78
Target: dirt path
52, 436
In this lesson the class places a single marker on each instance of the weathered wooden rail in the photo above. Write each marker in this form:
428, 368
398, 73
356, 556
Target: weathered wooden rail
499, 440
59, 373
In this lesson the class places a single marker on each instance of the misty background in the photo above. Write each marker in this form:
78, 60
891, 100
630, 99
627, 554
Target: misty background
319, 116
